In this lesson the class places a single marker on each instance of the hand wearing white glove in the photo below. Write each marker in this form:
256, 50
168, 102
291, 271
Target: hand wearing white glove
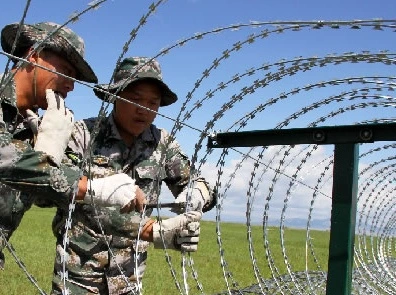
55, 129
199, 197
180, 232
32, 120
115, 190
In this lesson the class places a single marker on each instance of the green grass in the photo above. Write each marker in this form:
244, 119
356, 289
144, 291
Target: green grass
35, 246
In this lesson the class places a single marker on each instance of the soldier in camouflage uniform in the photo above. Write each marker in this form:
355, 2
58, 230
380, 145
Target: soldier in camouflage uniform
107, 251
31, 149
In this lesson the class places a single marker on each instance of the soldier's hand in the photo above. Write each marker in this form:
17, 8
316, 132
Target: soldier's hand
180, 232
55, 129
199, 196
137, 203
32, 120
115, 190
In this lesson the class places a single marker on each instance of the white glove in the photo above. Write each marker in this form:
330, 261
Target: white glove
199, 197
118, 189
55, 128
180, 232
32, 120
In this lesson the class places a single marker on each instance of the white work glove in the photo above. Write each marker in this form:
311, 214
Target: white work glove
32, 119
115, 190
199, 197
180, 232
55, 129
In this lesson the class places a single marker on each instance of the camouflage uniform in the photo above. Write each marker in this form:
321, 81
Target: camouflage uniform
27, 176
154, 158
21, 168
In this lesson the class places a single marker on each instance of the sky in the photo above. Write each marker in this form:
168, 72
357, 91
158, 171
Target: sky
106, 30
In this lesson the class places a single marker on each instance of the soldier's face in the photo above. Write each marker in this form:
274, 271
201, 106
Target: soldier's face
134, 119
50, 80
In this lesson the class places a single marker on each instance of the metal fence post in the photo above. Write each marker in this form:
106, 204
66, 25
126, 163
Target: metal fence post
343, 219
345, 182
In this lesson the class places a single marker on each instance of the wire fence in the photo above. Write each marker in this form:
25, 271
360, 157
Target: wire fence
239, 89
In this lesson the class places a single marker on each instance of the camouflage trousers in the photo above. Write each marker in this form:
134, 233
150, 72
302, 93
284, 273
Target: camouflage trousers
95, 266
13, 206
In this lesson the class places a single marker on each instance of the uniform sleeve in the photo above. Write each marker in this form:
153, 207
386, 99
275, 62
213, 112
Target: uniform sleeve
29, 171
178, 175
80, 138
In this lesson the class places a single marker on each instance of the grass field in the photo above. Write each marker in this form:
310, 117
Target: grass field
35, 246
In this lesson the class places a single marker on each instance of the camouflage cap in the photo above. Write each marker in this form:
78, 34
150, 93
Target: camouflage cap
64, 42
132, 69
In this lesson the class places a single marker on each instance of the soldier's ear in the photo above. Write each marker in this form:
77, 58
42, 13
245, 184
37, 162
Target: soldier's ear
25, 53
32, 55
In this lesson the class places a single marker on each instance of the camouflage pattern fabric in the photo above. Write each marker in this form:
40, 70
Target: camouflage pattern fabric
132, 69
154, 158
61, 40
25, 173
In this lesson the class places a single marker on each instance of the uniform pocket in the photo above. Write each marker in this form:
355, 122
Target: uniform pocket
85, 241
149, 177
148, 170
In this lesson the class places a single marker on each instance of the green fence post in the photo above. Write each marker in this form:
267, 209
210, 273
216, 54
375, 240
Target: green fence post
343, 219
345, 178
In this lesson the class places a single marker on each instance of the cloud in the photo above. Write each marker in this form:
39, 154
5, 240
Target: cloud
283, 181
292, 185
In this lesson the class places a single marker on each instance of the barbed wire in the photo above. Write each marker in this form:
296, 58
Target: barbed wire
277, 173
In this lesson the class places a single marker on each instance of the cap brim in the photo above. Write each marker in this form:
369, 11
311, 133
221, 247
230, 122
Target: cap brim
28, 37
168, 96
